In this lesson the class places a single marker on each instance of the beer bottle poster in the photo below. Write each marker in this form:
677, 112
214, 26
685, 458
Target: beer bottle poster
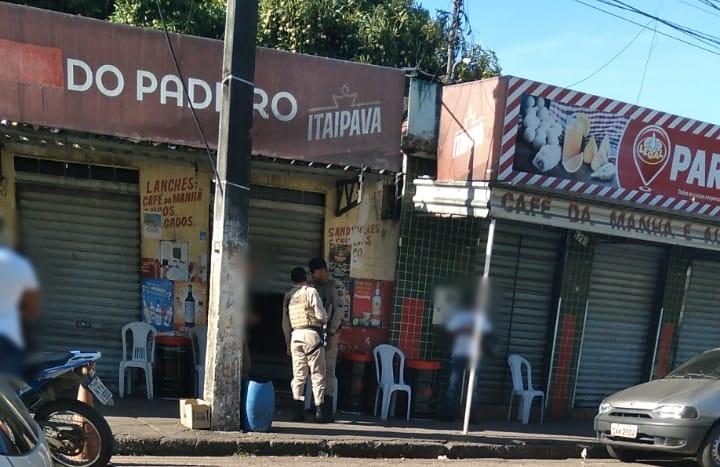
157, 304
339, 266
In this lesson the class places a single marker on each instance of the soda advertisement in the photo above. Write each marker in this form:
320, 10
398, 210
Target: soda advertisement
565, 140
157, 304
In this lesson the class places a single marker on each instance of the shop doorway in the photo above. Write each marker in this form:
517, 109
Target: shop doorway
700, 320
286, 231
622, 298
80, 227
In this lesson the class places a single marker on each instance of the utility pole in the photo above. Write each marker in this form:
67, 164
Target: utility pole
228, 268
453, 37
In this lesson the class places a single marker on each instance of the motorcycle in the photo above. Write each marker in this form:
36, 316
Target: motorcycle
77, 434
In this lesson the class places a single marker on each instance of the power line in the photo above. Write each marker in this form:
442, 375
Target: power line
670, 36
692, 5
713, 41
612, 59
647, 61
187, 97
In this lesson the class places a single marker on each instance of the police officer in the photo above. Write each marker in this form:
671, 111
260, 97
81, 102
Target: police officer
304, 318
333, 295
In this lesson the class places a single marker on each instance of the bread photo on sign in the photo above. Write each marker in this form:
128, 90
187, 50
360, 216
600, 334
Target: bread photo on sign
569, 145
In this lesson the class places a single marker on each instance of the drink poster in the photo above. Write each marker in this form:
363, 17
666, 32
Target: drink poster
157, 304
371, 303
190, 305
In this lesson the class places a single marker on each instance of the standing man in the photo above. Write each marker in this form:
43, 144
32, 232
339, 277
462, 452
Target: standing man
303, 320
19, 302
333, 295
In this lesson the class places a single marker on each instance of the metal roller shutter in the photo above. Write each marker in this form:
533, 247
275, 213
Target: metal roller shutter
700, 325
283, 235
86, 248
523, 271
620, 306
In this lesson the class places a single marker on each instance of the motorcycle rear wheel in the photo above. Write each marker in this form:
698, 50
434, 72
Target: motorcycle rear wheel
93, 448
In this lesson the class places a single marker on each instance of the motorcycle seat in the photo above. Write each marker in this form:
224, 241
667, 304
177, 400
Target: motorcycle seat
42, 361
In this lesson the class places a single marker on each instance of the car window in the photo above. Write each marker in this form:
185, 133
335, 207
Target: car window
704, 365
16, 429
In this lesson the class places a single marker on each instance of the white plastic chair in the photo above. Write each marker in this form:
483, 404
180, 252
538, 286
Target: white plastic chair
526, 392
198, 340
143, 355
387, 383
309, 395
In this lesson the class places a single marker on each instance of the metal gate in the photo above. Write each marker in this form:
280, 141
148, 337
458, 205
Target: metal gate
620, 307
284, 234
522, 269
86, 248
700, 323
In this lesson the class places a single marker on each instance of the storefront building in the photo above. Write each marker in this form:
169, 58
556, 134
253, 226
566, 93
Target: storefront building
107, 183
606, 237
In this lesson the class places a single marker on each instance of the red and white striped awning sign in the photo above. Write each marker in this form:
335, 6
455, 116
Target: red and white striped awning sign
643, 156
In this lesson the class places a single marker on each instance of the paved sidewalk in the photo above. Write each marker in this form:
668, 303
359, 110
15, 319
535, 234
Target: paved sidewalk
152, 428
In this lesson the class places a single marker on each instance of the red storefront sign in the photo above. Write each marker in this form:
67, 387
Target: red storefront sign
558, 139
81, 74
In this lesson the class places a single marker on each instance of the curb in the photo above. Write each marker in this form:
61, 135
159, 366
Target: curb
372, 449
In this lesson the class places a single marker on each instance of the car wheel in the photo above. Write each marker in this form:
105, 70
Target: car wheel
709, 455
623, 455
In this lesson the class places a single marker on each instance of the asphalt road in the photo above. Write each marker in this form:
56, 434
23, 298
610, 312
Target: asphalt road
313, 461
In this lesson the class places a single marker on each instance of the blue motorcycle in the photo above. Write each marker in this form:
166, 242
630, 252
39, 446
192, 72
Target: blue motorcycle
77, 434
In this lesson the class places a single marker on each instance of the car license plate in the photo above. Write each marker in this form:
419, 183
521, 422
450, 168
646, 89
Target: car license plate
623, 431
101, 392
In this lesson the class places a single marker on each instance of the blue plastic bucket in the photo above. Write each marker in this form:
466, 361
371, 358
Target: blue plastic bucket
258, 406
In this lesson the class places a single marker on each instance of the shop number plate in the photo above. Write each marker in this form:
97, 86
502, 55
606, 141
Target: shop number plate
100, 391
623, 431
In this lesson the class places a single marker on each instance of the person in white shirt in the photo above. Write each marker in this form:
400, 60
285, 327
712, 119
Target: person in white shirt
462, 324
19, 299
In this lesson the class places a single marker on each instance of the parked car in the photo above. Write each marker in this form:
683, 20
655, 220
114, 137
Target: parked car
678, 414
21, 439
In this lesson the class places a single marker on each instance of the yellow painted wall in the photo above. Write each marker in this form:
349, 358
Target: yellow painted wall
373, 242
8, 209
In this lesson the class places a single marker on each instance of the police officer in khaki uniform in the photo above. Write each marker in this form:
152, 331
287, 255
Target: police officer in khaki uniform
304, 318
334, 297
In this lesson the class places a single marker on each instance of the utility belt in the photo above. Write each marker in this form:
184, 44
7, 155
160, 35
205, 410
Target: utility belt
322, 333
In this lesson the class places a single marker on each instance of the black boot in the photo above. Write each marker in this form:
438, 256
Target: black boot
328, 405
321, 414
298, 413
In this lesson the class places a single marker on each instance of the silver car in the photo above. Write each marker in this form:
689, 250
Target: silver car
678, 414
21, 439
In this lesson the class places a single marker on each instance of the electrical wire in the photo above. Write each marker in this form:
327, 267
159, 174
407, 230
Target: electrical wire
647, 62
218, 183
691, 5
670, 36
612, 59
708, 39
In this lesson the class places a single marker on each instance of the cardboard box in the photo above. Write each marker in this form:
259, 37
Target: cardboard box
195, 414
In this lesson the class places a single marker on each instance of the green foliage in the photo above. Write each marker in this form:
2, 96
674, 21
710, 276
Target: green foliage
100, 9
396, 33
197, 17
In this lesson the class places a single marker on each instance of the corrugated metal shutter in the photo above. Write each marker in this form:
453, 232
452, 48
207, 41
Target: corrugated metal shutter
620, 307
86, 248
283, 235
700, 326
523, 268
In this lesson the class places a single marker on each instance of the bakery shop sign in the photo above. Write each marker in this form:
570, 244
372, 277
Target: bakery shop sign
124, 83
575, 215
559, 139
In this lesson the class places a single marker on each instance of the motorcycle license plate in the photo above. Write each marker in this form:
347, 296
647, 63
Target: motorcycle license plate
100, 391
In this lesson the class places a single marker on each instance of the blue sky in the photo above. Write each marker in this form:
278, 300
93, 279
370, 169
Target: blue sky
561, 42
